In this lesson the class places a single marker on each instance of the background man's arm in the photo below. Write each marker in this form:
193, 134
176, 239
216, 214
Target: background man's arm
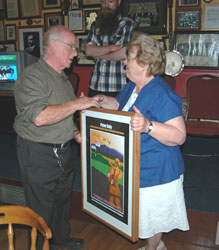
108, 52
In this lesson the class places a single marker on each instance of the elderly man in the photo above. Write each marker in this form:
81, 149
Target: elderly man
106, 43
45, 104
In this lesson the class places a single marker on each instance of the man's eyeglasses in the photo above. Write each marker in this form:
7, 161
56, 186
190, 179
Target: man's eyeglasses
71, 47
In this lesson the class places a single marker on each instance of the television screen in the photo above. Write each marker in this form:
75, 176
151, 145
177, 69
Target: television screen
11, 65
8, 68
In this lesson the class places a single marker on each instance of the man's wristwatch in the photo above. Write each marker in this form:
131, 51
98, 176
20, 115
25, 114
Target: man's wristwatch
150, 127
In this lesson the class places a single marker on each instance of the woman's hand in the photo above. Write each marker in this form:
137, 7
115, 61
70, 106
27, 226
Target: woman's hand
139, 123
107, 102
170, 133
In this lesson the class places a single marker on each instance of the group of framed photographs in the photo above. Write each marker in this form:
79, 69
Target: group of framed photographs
188, 15
15, 9
27, 38
80, 15
201, 19
191, 16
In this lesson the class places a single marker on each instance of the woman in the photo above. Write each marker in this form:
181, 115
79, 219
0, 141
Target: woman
158, 117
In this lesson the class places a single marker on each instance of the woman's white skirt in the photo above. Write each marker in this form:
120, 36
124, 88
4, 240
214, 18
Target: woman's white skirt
162, 209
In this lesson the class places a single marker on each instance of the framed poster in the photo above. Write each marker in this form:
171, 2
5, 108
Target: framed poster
82, 59
30, 39
10, 32
51, 4
12, 9
210, 20
187, 3
110, 169
51, 19
30, 8
199, 49
76, 20
151, 15
188, 19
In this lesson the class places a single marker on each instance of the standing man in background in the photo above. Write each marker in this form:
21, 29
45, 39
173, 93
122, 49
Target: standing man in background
45, 103
106, 43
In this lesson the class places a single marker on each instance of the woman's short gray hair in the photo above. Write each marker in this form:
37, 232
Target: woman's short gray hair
149, 51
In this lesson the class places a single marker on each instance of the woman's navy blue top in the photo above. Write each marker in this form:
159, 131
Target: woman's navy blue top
159, 163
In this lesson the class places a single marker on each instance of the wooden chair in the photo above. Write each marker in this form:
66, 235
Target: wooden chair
74, 79
170, 80
202, 116
24, 216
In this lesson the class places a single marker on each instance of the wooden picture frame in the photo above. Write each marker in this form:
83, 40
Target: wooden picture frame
10, 32
210, 17
8, 46
53, 18
188, 19
51, 4
187, 3
151, 14
82, 59
91, 2
30, 10
198, 48
11, 9
76, 20
2, 31
90, 15
107, 139
31, 39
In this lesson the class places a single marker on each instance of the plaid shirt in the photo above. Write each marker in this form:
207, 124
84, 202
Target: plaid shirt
110, 76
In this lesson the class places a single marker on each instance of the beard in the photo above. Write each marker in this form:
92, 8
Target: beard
108, 22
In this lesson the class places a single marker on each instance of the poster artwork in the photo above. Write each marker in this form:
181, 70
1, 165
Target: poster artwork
107, 173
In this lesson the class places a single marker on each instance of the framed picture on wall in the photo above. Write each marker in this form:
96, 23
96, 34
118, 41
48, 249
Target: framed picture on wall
151, 15
109, 144
188, 19
8, 46
30, 10
30, 39
82, 59
91, 2
76, 20
12, 9
74, 4
51, 4
198, 48
10, 32
51, 19
210, 17
187, 3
